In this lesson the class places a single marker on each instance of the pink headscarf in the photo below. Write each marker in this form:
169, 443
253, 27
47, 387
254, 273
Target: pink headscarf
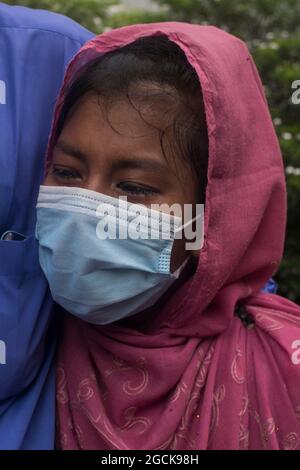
199, 378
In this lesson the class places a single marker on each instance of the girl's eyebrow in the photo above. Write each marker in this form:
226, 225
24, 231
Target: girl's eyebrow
139, 163
132, 162
70, 150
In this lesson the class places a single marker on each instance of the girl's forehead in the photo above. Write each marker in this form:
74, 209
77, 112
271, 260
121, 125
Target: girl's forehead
131, 116
110, 137
117, 127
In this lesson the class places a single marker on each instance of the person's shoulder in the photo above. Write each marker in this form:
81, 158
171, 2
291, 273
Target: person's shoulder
42, 20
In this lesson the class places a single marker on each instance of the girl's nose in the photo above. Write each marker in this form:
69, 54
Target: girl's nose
98, 183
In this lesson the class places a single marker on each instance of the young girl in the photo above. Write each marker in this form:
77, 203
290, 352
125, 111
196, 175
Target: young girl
166, 347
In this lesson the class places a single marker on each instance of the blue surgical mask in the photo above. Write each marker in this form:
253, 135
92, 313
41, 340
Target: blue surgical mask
93, 270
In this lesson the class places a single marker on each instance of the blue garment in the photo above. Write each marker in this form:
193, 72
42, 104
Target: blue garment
271, 287
35, 48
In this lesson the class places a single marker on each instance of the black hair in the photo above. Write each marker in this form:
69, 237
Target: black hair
150, 60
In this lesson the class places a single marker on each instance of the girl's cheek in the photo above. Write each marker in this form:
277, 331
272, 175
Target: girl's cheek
178, 255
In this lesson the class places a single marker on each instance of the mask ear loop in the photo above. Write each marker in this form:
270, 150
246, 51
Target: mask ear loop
11, 235
181, 267
179, 229
179, 270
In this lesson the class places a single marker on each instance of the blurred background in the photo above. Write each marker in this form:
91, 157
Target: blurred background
271, 29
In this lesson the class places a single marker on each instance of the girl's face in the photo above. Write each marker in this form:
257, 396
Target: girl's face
119, 153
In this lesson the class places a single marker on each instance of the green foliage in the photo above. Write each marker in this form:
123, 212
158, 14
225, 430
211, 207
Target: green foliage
117, 20
289, 274
279, 67
251, 19
92, 14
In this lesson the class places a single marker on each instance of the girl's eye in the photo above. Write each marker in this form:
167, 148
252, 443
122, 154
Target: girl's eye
64, 173
136, 190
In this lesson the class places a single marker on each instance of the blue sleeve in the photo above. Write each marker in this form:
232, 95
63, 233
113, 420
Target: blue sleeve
270, 287
36, 47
